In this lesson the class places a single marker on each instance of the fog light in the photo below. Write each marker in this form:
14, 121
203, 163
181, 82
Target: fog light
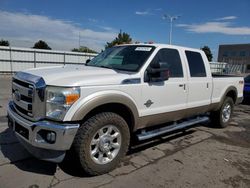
51, 137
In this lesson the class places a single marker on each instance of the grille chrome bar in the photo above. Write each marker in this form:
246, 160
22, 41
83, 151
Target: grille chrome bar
24, 105
28, 95
23, 90
22, 97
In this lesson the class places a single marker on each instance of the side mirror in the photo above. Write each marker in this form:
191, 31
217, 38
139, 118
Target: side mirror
87, 61
157, 72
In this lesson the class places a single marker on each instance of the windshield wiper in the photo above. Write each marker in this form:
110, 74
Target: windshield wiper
102, 66
107, 67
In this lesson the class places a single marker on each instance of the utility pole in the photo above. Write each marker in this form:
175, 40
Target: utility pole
171, 19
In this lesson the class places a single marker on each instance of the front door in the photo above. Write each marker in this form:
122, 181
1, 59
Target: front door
163, 101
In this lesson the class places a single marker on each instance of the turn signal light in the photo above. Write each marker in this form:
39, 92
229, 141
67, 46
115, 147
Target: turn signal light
71, 98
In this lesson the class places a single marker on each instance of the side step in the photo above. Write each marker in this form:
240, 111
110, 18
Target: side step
144, 135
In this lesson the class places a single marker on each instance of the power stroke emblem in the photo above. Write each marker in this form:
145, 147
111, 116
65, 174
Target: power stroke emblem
148, 103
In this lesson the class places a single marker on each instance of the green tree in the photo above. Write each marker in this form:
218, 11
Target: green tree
41, 45
83, 49
208, 53
4, 42
122, 38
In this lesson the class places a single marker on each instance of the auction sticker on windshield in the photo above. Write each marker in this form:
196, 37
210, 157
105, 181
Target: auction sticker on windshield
147, 49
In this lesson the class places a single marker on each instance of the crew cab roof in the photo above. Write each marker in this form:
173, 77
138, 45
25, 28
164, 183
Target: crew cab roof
162, 46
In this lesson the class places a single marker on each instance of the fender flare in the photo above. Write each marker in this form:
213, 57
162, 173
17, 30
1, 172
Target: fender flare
230, 88
106, 99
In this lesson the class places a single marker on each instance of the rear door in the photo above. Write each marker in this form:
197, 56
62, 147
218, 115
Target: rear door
199, 82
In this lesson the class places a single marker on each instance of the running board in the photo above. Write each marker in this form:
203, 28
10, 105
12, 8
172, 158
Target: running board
144, 135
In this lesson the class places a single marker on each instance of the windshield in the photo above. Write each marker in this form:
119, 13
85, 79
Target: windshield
247, 79
126, 58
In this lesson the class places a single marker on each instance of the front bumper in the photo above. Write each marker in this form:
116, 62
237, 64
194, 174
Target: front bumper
33, 135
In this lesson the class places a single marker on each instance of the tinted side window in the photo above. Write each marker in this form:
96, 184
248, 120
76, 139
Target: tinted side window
196, 64
172, 60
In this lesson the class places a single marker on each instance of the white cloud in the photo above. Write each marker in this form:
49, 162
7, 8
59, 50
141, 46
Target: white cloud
25, 29
93, 20
158, 9
149, 12
216, 27
142, 13
108, 28
226, 18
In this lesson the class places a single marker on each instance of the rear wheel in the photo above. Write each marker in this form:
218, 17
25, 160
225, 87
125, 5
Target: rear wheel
221, 117
101, 142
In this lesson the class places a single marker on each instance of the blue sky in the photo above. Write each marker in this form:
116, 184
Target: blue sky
59, 22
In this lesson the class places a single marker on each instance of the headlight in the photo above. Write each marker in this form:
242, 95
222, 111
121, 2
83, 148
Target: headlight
59, 100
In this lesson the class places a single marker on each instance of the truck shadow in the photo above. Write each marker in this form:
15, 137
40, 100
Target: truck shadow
16, 154
138, 146
246, 102
36, 166
71, 165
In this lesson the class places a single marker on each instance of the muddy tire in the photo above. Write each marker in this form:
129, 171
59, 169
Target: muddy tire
101, 142
221, 117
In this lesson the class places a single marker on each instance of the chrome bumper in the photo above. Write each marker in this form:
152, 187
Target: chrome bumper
33, 135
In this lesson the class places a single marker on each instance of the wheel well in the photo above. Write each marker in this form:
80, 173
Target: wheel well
232, 94
117, 108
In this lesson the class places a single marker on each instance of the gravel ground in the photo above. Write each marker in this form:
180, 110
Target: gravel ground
199, 157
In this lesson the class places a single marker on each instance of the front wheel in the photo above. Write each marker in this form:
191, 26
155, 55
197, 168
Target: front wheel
101, 142
221, 117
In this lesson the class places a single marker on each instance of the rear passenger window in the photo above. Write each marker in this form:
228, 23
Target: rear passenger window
172, 60
196, 64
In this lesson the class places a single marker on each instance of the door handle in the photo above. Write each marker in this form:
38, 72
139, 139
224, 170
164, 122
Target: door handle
183, 85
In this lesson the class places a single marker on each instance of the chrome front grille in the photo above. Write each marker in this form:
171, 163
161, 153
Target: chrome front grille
23, 96
28, 95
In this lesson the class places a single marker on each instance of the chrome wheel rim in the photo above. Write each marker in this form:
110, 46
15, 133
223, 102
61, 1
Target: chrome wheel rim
226, 113
105, 144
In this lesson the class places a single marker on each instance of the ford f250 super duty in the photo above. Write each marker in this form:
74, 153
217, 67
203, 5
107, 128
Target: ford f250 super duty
134, 90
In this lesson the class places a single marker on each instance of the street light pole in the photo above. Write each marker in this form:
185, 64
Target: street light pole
171, 29
79, 41
171, 19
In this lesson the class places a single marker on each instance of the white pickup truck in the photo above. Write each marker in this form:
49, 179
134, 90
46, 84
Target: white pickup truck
139, 90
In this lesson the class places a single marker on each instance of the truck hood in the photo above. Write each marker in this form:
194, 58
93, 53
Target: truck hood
79, 75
